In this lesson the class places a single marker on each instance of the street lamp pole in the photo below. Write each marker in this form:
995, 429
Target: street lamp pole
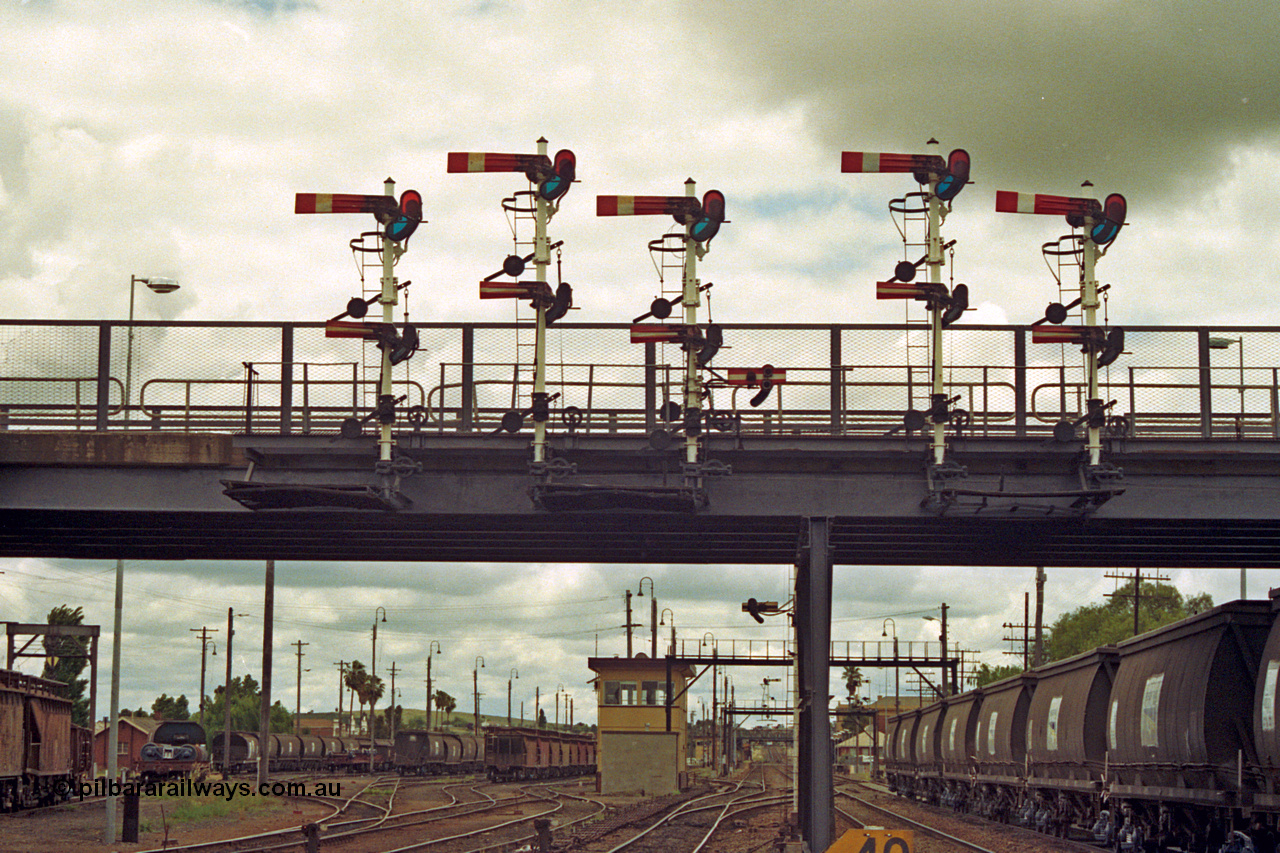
663, 621
373, 699
158, 285
897, 703
514, 674
653, 613
436, 645
475, 687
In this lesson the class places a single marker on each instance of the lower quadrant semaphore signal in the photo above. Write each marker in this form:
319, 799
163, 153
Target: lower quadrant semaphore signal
549, 178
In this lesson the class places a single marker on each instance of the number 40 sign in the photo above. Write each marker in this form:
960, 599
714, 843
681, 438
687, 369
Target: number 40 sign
874, 841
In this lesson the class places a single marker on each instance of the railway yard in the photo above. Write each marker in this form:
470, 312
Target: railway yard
389, 813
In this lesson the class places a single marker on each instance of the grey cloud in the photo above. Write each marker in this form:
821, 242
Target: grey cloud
1145, 99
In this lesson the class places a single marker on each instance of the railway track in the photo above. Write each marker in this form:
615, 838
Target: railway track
1004, 836
692, 825
383, 827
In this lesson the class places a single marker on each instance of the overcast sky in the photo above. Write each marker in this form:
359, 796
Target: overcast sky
170, 138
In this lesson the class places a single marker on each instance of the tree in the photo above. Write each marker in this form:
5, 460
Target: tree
246, 709
542, 718
1093, 625
444, 704
853, 679
987, 673
66, 658
170, 708
384, 719
856, 718
357, 681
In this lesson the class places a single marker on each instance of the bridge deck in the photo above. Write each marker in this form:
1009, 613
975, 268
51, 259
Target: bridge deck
143, 495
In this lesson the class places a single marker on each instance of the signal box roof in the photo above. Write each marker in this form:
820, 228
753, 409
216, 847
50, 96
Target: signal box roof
640, 663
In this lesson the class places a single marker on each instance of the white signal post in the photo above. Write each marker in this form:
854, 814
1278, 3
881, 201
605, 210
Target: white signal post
539, 169
692, 378
1089, 304
934, 260
955, 171
1091, 215
388, 300
541, 259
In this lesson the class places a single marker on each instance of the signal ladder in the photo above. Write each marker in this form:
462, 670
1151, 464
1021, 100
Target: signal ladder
910, 215
367, 252
668, 255
522, 207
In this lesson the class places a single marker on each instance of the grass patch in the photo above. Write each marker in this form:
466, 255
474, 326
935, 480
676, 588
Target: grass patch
196, 809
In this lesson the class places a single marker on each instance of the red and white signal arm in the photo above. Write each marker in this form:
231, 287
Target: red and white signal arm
875, 841
1057, 334
871, 161
478, 161
649, 205
656, 333
1008, 201
752, 376
897, 290
343, 203
513, 289
351, 329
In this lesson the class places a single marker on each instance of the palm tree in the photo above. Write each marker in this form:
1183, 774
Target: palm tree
853, 679
357, 680
372, 692
445, 703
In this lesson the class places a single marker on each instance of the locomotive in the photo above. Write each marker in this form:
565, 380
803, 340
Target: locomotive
1165, 739
176, 750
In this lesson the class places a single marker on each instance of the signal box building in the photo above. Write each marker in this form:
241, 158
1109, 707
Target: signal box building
637, 750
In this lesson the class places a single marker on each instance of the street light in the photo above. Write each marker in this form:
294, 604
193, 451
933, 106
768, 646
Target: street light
1219, 342
897, 704
373, 698
158, 285
1225, 343
663, 621
436, 645
514, 674
653, 613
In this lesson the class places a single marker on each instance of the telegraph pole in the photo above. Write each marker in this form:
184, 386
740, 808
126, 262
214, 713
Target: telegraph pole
342, 672
1138, 578
226, 697
204, 633
393, 702
1039, 651
268, 622
297, 714
629, 624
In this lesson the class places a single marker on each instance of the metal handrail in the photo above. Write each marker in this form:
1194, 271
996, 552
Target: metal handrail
832, 398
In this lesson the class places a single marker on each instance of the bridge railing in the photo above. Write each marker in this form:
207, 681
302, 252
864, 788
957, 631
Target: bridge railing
841, 379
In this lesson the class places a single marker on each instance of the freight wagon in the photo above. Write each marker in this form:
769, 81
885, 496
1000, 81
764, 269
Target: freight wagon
1168, 739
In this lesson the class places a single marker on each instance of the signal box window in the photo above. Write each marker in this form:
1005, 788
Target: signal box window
653, 693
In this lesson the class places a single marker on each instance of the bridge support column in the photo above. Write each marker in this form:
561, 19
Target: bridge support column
813, 663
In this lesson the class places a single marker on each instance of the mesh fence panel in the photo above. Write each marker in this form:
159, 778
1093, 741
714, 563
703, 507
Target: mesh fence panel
48, 375
196, 376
